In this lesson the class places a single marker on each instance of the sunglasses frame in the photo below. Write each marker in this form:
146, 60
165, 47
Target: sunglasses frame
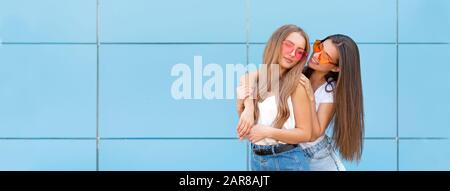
303, 54
318, 48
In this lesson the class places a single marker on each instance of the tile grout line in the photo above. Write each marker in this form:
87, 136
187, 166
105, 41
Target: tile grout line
47, 138
247, 50
193, 138
200, 43
97, 161
397, 78
48, 43
169, 138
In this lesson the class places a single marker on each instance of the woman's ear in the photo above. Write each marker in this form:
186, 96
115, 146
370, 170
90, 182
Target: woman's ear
336, 69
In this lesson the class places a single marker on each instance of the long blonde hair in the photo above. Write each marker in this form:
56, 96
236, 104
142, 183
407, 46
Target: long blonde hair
287, 82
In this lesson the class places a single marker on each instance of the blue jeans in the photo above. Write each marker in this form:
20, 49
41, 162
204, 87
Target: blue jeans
291, 160
321, 157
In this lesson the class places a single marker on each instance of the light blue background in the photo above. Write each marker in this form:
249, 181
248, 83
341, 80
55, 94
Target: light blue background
60, 92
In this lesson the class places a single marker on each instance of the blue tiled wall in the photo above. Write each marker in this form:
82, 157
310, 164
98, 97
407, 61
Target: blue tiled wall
76, 70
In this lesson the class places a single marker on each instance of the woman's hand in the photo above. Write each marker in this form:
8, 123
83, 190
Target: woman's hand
246, 121
259, 132
243, 91
307, 85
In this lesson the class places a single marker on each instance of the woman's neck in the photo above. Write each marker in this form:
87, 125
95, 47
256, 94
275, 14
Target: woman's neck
282, 71
317, 79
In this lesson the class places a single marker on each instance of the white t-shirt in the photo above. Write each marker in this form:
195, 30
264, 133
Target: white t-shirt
321, 96
267, 113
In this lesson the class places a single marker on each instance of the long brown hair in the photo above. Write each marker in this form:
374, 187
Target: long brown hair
348, 131
287, 82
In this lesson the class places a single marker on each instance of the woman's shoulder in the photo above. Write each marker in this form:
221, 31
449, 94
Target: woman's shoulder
325, 92
300, 90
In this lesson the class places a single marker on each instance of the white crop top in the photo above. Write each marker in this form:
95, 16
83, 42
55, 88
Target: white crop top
267, 113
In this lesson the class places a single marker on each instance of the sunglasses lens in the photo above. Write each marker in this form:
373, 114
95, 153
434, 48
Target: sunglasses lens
322, 59
316, 46
288, 44
299, 55
287, 47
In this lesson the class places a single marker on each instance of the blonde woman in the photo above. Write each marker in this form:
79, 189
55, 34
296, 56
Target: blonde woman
280, 102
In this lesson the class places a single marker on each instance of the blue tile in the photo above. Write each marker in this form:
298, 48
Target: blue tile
425, 154
379, 77
378, 73
423, 90
47, 91
136, 98
172, 155
172, 21
378, 155
360, 19
47, 155
424, 21
255, 54
48, 21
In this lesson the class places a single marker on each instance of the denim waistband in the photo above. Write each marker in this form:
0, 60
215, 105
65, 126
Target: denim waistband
271, 148
323, 144
255, 146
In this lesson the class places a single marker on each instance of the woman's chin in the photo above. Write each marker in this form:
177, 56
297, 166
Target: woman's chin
312, 65
285, 66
